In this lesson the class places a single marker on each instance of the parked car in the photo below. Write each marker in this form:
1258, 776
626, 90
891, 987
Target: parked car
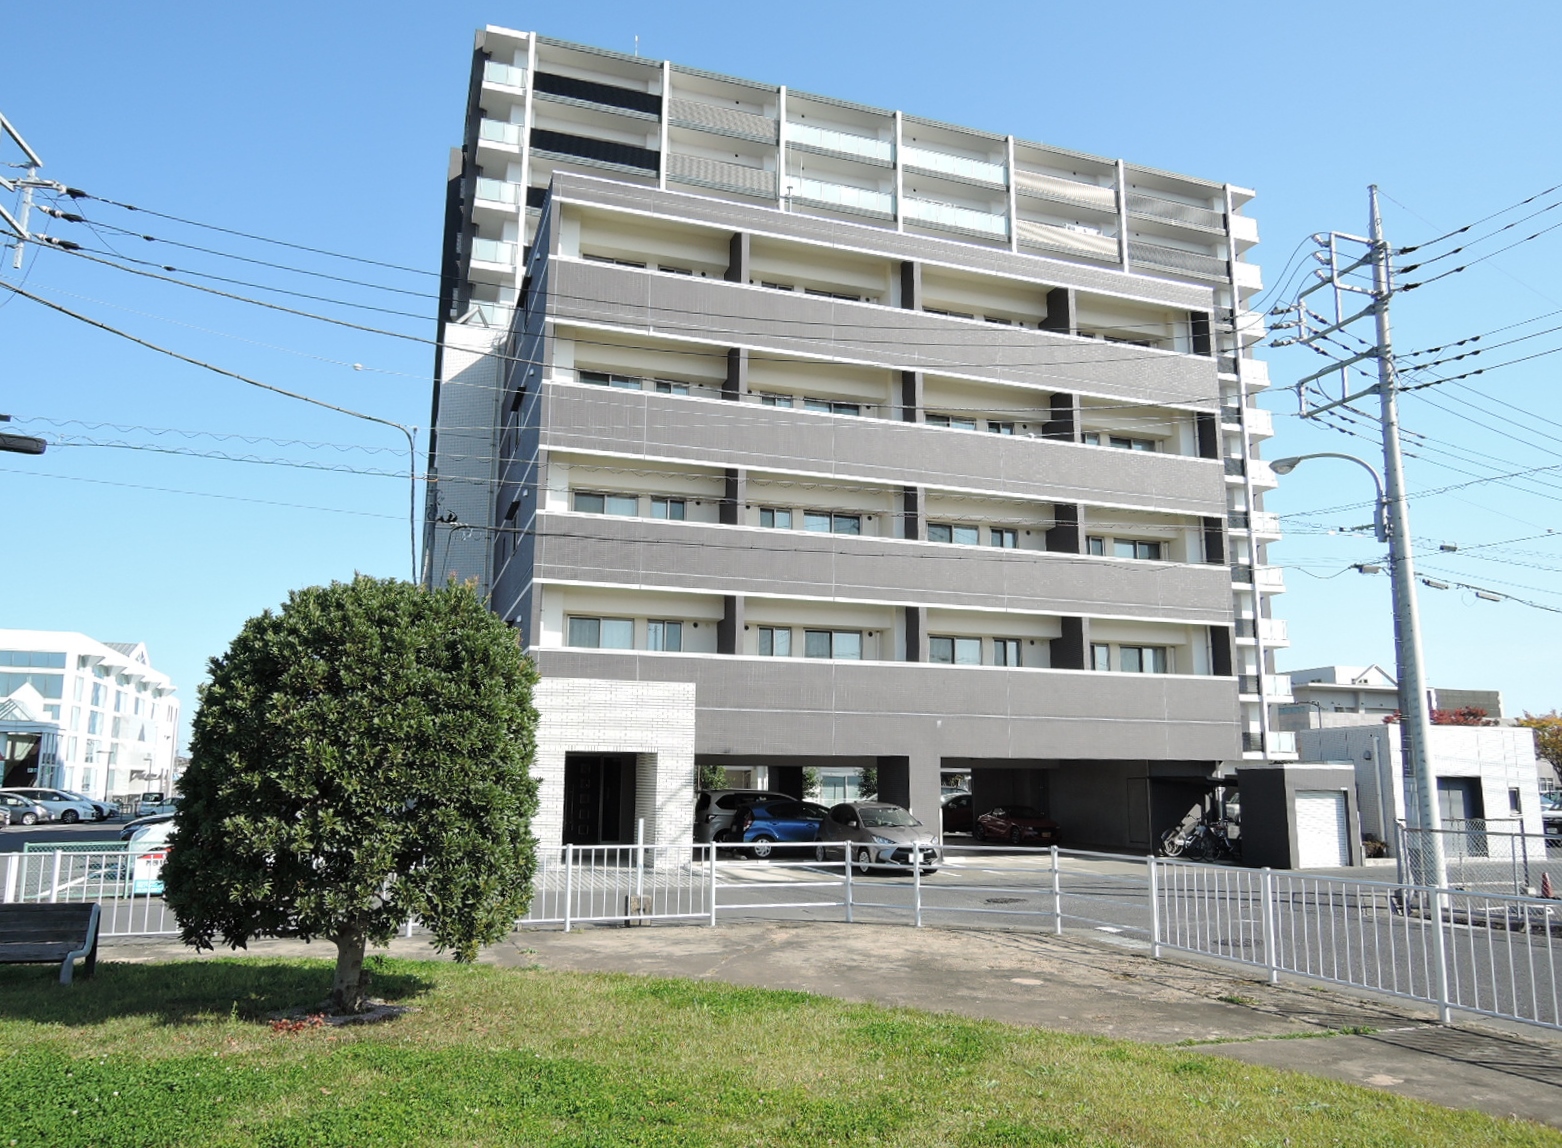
873, 833
151, 804
771, 825
152, 830
714, 809
5, 817
1016, 824
1551, 819
957, 812
102, 810
63, 808
23, 810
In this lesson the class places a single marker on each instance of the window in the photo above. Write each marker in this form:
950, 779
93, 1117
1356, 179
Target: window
950, 314
587, 502
777, 286
1000, 428
621, 382
845, 644
1002, 322
119, 701
955, 651
75, 717
610, 259
827, 522
775, 517
33, 659
1132, 548
668, 387
666, 636
1006, 652
1515, 805
97, 693
948, 532
602, 633
95, 722
1122, 443
77, 689
1095, 546
1142, 659
953, 422
1005, 537
1100, 656
775, 400
825, 406
674, 270
669, 508
775, 642
850, 298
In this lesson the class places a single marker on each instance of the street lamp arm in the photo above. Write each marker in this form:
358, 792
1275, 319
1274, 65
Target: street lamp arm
1287, 465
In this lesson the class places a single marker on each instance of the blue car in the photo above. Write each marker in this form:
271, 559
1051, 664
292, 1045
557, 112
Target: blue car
765, 825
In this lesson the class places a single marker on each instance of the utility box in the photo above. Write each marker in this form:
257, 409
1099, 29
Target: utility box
1299, 816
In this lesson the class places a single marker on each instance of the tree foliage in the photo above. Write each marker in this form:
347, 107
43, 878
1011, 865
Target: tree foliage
868, 783
710, 777
1548, 735
812, 782
1465, 715
359, 757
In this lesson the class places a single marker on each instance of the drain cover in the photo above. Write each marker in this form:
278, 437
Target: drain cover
1005, 900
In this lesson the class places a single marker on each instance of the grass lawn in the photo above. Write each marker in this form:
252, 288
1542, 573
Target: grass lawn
180, 1053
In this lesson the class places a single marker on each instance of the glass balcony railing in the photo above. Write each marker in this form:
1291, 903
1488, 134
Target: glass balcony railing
840, 195
497, 131
507, 75
497, 191
493, 251
845, 142
956, 165
962, 218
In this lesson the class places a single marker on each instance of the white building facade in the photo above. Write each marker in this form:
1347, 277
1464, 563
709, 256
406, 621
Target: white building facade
89, 716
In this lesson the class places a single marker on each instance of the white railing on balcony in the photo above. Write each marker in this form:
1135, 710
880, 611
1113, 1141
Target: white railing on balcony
1282, 741
1265, 522
1262, 473
505, 75
498, 191
956, 165
493, 251
844, 142
1069, 240
841, 195
1067, 190
961, 218
1273, 630
497, 131
1270, 578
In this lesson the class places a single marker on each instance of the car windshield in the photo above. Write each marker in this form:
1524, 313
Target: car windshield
886, 818
1020, 811
1551, 801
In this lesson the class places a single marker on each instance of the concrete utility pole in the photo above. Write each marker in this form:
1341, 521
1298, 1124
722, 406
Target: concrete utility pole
26, 184
1429, 866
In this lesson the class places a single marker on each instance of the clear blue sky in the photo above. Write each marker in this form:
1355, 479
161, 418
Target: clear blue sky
329, 125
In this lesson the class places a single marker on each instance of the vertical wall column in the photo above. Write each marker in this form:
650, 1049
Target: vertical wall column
1214, 542
1071, 650
736, 385
738, 259
734, 496
1220, 650
1199, 333
916, 633
1064, 423
1062, 311
1065, 537
910, 396
911, 285
1122, 215
911, 516
729, 631
1208, 426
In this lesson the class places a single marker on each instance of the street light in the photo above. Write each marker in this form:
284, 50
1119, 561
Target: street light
1414, 713
20, 443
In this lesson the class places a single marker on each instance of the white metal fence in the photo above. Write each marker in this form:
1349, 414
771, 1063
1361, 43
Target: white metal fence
127, 885
1481, 854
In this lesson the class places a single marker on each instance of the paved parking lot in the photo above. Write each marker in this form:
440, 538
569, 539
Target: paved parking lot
15, 837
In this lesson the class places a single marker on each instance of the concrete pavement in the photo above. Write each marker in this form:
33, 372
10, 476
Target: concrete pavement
1080, 982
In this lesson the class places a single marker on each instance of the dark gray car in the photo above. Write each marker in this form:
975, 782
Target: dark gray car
877, 833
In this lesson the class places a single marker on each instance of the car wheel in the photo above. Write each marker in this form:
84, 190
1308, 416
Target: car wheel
976, 831
70, 817
1015, 835
763, 847
29, 819
864, 861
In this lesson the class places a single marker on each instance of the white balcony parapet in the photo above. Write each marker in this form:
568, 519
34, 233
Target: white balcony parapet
1069, 240
1274, 631
493, 251
1269, 578
498, 191
844, 142
949, 215
942, 162
499, 132
504, 75
1265, 522
841, 195
1282, 741
1262, 473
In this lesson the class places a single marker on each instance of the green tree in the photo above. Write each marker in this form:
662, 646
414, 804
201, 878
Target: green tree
1548, 735
360, 757
868, 783
811, 782
710, 777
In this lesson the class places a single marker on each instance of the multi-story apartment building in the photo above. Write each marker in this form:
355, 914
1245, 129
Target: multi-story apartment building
791, 432
84, 715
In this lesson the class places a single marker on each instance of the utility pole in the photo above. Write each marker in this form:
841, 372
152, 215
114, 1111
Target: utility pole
1429, 867
27, 184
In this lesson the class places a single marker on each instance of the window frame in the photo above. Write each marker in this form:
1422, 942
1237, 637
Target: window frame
834, 637
668, 503
768, 637
569, 632
658, 632
955, 644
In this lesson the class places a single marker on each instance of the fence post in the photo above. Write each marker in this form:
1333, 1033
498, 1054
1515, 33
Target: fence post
569, 883
13, 865
846, 861
1155, 909
712, 890
1440, 950
916, 881
1057, 895
1266, 885
640, 862
54, 880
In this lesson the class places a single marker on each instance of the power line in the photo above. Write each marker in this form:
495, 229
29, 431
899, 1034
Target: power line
196, 493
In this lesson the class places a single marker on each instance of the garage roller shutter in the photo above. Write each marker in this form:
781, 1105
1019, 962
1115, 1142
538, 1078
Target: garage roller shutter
1321, 829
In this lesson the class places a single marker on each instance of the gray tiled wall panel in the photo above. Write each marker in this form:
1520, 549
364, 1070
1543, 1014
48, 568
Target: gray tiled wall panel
787, 322
718, 559
792, 706
812, 229
745, 434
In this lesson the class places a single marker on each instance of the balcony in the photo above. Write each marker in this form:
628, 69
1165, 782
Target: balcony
1272, 630
497, 192
1069, 191
1176, 260
840, 143
717, 119
1265, 523
1276, 687
494, 251
955, 218
499, 132
1257, 421
722, 175
1269, 579
1074, 241
503, 75
861, 200
751, 705
1262, 474
941, 163
1172, 211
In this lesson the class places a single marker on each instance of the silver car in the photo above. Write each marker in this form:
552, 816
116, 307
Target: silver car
23, 810
877, 833
63, 807
714, 809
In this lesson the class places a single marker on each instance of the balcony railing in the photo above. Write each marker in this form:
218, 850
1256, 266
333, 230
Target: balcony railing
983, 171
493, 251
1276, 687
1235, 467
497, 191
1066, 190
1153, 205
880, 203
1176, 259
843, 143
1269, 578
1068, 240
505, 75
1270, 629
959, 218
499, 132
1265, 522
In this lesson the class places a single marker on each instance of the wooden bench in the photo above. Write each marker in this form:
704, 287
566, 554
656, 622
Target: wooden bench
42, 934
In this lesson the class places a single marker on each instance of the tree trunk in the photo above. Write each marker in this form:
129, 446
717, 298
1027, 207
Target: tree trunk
347, 992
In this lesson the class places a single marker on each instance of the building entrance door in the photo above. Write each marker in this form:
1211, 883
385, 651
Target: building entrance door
1462, 807
599, 798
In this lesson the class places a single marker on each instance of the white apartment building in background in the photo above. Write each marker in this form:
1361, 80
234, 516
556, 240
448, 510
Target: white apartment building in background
84, 715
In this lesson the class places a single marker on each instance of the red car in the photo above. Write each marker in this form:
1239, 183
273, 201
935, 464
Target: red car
1016, 824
